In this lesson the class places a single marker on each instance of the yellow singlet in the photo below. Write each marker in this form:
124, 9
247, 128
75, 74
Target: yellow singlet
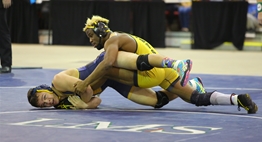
163, 77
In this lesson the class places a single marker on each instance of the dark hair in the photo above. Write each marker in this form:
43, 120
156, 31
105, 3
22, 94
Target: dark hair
31, 94
32, 98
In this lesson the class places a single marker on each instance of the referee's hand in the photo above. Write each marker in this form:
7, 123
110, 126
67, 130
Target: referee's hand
6, 3
259, 10
259, 18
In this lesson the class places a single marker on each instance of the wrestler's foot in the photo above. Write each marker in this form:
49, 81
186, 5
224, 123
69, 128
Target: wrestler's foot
245, 101
197, 84
183, 67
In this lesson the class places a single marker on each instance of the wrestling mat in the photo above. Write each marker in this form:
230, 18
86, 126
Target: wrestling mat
120, 120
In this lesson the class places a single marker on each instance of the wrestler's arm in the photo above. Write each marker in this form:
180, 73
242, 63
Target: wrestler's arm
79, 104
94, 102
65, 80
111, 47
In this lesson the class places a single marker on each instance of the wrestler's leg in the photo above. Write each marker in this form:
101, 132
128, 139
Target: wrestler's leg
183, 92
214, 98
143, 96
172, 84
188, 94
148, 96
121, 75
144, 79
170, 95
157, 99
133, 61
128, 60
195, 83
127, 77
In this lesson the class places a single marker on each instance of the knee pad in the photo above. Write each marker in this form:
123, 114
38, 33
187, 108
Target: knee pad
162, 99
202, 99
142, 63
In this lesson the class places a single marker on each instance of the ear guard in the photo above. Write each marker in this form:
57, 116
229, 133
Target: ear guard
40, 87
101, 29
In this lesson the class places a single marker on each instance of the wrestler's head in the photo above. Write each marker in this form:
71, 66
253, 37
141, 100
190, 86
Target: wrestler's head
96, 30
42, 96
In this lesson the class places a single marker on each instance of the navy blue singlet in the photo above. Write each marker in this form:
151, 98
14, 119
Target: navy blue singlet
85, 71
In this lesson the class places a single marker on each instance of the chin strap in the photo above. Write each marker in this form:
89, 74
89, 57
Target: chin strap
99, 46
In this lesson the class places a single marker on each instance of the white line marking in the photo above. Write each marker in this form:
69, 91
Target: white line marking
250, 89
225, 88
135, 110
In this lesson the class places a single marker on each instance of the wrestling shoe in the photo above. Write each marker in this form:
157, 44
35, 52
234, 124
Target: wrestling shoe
183, 67
244, 101
197, 84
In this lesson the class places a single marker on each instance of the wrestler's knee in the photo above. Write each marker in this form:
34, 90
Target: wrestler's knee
162, 99
142, 63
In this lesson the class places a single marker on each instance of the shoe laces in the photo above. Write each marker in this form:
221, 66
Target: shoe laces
241, 105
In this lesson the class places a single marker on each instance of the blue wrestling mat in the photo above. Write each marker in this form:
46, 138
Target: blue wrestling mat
120, 120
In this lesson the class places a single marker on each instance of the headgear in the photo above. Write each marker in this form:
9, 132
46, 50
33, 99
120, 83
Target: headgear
99, 26
43, 88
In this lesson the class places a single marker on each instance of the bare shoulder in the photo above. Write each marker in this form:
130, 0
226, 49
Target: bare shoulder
124, 38
124, 35
71, 72
119, 36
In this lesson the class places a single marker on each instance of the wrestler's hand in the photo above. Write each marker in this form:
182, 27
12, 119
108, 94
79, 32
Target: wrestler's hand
80, 87
77, 102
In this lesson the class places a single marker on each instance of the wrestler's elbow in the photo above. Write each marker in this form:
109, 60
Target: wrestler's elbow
94, 103
108, 65
97, 101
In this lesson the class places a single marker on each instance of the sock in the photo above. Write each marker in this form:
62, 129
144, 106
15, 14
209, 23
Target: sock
234, 99
168, 63
218, 98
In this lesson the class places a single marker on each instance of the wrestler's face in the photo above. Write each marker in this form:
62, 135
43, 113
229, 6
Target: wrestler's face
93, 38
46, 99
